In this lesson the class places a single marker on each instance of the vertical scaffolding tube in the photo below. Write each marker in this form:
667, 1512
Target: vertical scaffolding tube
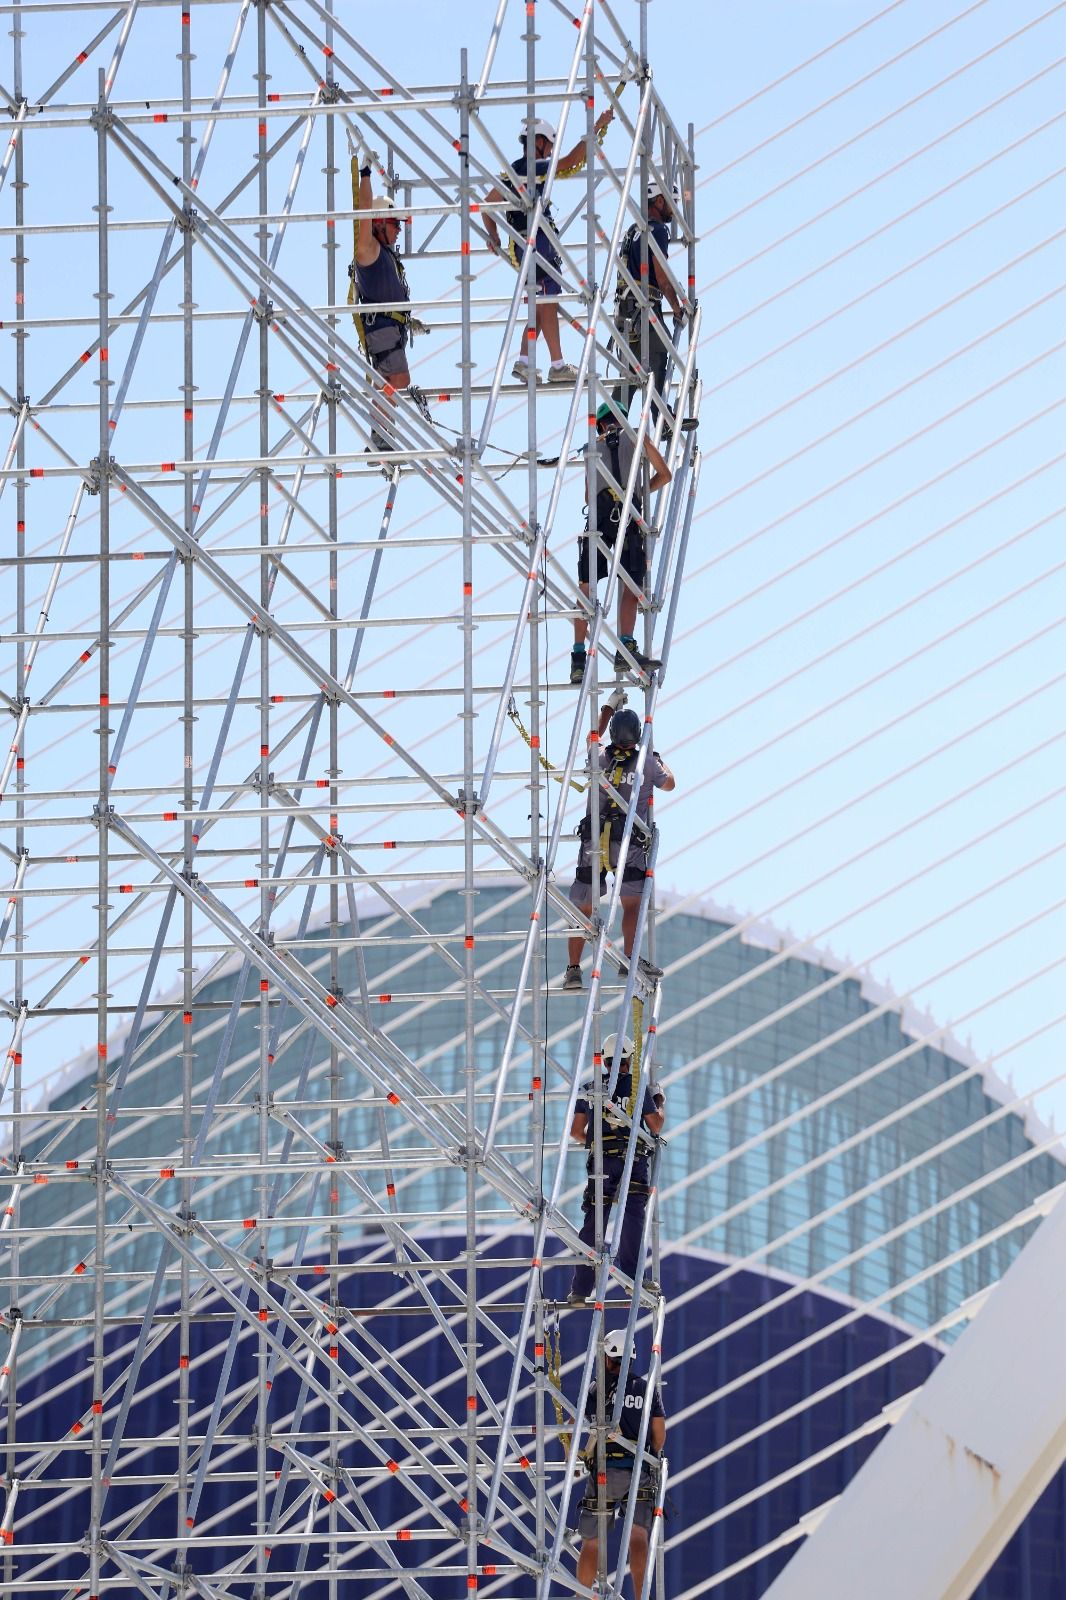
101, 122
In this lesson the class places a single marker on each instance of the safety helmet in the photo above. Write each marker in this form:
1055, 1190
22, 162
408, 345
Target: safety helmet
657, 191
625, 728
604, 413
614, 1344
610, 1045
541, 129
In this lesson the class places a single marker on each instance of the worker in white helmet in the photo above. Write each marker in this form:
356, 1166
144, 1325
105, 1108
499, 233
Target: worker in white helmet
619, 1466
661, 203
614, 1139
378, 279
548, 260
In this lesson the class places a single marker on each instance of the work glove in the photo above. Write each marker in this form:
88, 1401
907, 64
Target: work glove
416, 325
616, 699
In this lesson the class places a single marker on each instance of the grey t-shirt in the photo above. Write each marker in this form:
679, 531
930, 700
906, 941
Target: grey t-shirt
626, 447
654, 777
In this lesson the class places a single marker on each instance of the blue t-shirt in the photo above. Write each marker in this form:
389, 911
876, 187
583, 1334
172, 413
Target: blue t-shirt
383, 281
517, 219
661, 234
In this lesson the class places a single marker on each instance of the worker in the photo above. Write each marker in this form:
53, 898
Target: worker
548, 260
378, 278
659, 211
615, 457
620, 1475
618, 762
614, 1141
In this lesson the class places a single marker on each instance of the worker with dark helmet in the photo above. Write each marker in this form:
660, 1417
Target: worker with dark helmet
621, 1479
660, 204
617, 1113
618, 763
606, 478
378, 279
548, 260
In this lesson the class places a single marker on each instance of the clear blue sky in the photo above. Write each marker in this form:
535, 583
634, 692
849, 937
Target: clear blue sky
880, 279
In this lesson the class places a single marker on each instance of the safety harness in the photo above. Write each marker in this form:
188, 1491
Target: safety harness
608, 500
380, 332
614, 1138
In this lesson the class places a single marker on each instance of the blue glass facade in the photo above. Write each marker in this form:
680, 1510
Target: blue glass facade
747, 1042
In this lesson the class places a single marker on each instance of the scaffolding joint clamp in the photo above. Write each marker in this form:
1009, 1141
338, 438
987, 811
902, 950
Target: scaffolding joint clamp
189, 219
102, 118
101, 471
468, 805
263, 310
102, 813
329, 93
472, 1523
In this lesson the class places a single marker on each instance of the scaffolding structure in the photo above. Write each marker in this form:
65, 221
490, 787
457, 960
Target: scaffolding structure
230, 761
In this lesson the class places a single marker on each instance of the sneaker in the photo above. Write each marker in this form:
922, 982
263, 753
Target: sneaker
579, 1299
644, 663
578, 659
378, 441
689, 424
562, 372
520, 370
572, 976
649, 970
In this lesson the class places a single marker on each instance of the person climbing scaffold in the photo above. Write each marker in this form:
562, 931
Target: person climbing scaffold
618, 764
631, 1099
660, 206
619, 1467
605, 486
378, 279
548, 261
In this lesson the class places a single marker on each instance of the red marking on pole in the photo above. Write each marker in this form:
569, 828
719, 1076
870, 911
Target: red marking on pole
264, 1314
20, 527
386, 91
262, 130
319, 1270
160, 116
101, 1049
384, 999
394, 1099
390, 1189
186, 1018
76, 1427
79, 1269
98, 1407
166, 466
464, 248
321, 783
389, 844
471, 1582
249, 1222
443, 397
273, 97
251, 883
327, 50
538, 1083
388, 738
403, 1533
264, 749
264, 985
469, 941
80, 57
468, 588
84, 356
334, 1352
124, 888
471, 1402
538, 1349
72, 1166
166, 1172
36, 472
183, 1362
331, 1000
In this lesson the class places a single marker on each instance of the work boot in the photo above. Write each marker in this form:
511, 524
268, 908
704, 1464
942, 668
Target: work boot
645, 663
578, 659
378, 441
562, 372
572, 976
520, 370
645, 969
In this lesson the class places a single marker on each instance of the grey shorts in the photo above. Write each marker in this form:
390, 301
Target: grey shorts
392, 363
618, 1482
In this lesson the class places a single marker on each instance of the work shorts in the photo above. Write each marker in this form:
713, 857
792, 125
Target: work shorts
619, 1480
547, 264
634, 560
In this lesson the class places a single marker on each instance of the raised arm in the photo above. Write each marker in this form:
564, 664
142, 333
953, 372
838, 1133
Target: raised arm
574, 159
367, 248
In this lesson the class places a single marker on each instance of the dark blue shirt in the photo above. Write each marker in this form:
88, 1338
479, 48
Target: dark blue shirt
614, 1139
661, 234
636, 1396
383, 281
517, 219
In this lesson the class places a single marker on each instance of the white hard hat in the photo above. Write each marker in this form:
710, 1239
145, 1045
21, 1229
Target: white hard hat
540, 129
610, 1044
383, 202
614, 1344
657, 191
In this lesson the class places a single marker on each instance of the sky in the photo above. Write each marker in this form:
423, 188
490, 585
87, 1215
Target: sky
864, 703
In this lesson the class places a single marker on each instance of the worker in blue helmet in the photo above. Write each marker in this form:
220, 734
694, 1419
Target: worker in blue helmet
618, 764
606, 477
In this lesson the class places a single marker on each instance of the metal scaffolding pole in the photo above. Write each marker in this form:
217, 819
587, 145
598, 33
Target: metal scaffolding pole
283, 1266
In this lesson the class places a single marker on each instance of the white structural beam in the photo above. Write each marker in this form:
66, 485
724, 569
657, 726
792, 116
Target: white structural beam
934, 1505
